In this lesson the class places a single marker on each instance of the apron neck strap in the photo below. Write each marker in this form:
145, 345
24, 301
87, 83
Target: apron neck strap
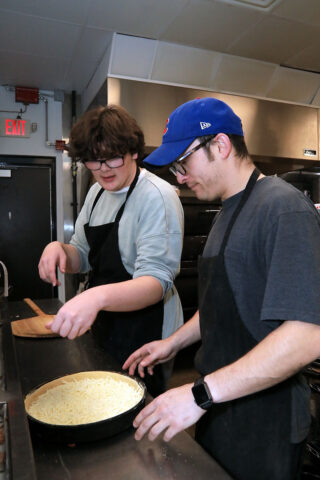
96, 201
133, 184
247, 191
118, 216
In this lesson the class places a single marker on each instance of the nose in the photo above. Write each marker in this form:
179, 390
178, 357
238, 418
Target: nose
181, 178
104, 167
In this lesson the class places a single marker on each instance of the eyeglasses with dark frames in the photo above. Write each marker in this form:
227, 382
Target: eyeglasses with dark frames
177, 166
96, 164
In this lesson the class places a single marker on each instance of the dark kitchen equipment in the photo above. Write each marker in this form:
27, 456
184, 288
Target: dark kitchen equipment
311, 466
310, 472
27, 222
314, 448
315, 413
312, 370
84, 432
199, 216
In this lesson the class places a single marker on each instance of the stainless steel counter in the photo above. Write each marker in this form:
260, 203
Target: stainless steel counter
29, 362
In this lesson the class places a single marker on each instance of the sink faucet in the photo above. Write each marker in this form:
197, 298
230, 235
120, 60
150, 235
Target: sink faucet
6, 283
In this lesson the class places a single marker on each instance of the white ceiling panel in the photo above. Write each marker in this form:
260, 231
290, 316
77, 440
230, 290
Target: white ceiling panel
74, 11
308, 59
306, 11
46, 68
92, 44
187, 66
210, 25
132, 56
146, 18
316, 99
78, 75
275, 40
37, 36
243, 75
295, 86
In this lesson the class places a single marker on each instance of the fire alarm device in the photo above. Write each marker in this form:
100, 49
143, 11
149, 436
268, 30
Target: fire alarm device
26, 95
60, 145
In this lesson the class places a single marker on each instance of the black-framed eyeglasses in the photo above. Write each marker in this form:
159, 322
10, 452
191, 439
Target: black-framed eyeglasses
177, 166
96, 164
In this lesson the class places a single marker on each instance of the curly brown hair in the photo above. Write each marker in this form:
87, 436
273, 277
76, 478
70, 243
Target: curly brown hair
105, 132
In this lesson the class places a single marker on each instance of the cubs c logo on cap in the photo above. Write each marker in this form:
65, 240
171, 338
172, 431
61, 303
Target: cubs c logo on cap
165, 127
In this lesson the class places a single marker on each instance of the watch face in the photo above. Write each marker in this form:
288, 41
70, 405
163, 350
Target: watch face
201, 394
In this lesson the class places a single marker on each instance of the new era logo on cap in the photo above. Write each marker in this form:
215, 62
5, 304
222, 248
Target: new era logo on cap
204, 125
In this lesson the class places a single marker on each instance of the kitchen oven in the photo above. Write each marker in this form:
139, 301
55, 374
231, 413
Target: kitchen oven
307, 181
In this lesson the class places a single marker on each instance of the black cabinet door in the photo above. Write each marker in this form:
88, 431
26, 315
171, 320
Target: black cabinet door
26, 225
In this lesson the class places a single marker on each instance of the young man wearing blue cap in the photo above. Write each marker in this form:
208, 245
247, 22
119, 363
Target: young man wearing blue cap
259, 305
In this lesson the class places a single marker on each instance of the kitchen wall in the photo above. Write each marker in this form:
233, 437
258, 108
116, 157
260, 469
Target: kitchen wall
36, 146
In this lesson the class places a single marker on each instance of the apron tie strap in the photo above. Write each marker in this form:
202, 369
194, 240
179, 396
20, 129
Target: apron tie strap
249, 187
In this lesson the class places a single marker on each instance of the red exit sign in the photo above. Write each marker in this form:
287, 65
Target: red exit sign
15, 127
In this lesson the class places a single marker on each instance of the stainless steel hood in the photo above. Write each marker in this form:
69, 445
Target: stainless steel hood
280, 136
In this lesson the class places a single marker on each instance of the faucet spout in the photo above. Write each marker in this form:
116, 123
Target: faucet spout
6, 281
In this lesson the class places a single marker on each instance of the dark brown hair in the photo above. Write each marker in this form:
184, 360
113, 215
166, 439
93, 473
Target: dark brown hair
236, 141
105, 132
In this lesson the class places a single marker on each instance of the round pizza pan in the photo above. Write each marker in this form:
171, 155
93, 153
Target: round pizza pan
89, 431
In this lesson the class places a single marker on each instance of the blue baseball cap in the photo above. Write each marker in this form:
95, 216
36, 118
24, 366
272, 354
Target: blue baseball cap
193, 119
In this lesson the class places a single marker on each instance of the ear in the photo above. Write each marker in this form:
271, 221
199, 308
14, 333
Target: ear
224, 145
135, 156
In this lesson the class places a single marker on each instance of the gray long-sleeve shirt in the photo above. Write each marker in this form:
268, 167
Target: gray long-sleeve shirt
150, 235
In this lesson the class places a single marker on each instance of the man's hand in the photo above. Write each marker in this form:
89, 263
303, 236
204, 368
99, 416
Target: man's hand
53, 256
150, 355
172, 412
76, 316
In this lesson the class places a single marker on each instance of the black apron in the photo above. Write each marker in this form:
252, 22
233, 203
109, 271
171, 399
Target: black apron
249, 436
120, 333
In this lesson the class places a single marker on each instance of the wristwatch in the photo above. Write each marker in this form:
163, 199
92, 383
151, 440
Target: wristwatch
201, 393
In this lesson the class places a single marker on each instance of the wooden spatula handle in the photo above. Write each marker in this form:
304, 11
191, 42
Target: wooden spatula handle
34, 307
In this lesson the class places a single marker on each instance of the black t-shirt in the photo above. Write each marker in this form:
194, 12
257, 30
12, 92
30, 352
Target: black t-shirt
272, 260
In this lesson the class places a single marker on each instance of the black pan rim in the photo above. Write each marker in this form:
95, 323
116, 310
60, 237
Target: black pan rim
91, 424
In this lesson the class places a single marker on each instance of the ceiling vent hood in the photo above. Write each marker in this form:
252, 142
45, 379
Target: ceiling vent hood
273, 130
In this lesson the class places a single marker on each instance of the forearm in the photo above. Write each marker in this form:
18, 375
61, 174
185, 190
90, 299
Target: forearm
73, 258
281, 354
128, 296
188, 334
